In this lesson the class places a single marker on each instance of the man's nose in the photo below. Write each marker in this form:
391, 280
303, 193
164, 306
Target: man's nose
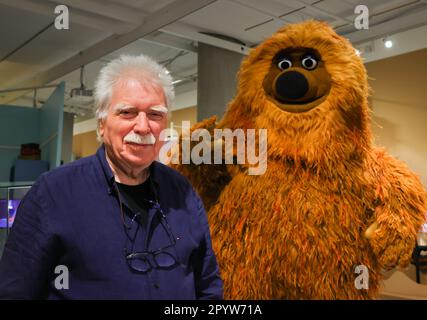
142, 126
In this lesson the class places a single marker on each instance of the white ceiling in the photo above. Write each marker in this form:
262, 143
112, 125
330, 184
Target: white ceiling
34, 53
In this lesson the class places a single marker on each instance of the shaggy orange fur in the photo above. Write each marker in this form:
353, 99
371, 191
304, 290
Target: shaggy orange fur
297, 231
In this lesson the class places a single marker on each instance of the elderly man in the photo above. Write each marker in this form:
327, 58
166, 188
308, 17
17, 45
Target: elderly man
115, 225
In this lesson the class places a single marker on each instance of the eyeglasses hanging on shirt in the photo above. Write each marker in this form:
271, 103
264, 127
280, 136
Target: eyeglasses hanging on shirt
146, 260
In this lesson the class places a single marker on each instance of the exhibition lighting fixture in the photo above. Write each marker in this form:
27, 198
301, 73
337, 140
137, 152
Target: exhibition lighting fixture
82, 94
388, 43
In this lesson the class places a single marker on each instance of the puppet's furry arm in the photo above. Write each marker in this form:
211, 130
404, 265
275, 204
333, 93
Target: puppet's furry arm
400, 211
207, 179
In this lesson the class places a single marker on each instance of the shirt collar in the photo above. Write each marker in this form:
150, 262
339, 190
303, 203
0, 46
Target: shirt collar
108, 173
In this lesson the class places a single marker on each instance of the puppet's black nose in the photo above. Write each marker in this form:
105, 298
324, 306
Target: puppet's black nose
291, 85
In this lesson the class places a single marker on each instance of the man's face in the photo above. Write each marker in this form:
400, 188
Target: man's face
136, 110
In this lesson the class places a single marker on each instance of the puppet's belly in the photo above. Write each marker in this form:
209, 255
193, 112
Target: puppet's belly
288, 236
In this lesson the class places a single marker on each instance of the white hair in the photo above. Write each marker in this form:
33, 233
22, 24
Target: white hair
142, 67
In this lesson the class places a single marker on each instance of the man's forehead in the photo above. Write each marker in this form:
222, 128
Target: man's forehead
134, 89
134, 81
124, 105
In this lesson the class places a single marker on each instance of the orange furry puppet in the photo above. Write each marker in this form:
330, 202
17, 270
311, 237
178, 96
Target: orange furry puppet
298, 230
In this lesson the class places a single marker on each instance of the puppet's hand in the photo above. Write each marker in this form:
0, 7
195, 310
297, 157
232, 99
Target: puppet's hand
194, 157
392, 246
199, 138
201, 145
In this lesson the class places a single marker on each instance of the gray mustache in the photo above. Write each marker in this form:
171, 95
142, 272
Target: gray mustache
136, 138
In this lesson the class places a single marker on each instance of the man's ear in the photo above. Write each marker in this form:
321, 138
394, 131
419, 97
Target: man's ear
101, 127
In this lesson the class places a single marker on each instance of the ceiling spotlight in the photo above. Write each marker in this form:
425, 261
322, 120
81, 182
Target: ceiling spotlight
357, 52
388, 43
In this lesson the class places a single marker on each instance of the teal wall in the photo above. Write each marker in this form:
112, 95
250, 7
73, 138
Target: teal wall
52, 118
18, 125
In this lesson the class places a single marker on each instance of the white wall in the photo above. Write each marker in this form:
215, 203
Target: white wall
399, 104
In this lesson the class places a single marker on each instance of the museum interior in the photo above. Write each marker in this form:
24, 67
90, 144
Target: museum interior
52, 51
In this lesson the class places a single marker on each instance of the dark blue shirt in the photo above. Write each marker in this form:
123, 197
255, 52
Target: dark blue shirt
71, 217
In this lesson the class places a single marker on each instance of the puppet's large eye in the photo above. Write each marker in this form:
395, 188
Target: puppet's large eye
284, 63
309, 62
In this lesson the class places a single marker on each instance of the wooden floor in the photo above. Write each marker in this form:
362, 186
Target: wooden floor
401, 284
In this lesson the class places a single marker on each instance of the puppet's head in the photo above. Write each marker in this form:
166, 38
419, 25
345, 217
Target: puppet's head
308, 87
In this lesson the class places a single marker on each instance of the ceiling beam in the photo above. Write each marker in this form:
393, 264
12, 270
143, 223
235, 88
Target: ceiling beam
134, 17
171, 42
159, 19
389, 27
77, 16
259, 9
183, 30
106, 9
324, 12
125, 14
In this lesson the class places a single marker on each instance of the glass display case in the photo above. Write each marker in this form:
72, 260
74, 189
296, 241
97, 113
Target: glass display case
11, 194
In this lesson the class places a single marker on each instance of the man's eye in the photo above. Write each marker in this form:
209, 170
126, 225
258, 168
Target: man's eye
155, 115
126, 113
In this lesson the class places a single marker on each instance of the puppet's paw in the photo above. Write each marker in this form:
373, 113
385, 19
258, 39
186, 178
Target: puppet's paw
392, 247
188, 150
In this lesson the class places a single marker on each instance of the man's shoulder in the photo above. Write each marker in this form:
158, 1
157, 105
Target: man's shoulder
173, 178
63, 181
172, 182
72, 170
163, 171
